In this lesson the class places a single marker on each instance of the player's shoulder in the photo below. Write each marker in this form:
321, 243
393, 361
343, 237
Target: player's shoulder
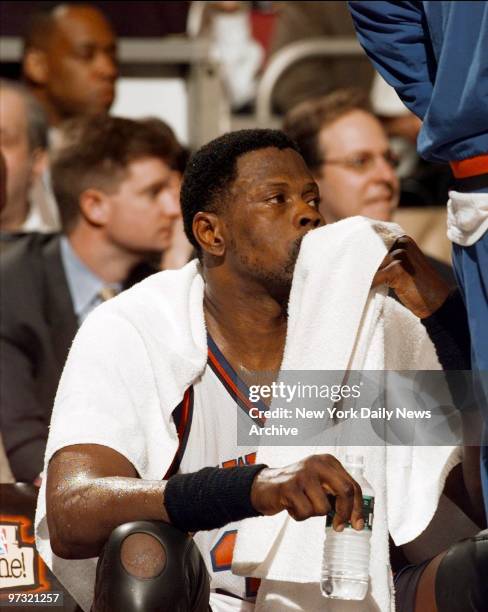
158, 301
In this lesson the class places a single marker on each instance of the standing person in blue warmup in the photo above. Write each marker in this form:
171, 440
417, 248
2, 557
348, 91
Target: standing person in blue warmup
435, 54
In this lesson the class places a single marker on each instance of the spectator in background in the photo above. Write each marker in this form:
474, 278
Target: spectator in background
3, 181
347, 149
23, 131
180, 251
116, 182
69, 64
5, 472
69, 61
227, 24
316, 76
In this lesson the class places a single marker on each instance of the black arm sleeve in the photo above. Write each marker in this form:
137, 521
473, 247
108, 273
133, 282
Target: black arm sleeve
449, 331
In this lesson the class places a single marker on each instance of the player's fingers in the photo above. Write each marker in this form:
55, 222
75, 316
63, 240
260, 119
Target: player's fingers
344, 504
349, 507
398, 254
357, 517
386, 261
402, 242
341, 485
349, 499
298, 505
318, 498
387, 275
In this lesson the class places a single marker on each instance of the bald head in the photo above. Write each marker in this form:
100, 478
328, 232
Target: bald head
70, 61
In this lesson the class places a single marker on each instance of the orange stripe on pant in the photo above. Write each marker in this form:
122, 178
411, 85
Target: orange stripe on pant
473, 166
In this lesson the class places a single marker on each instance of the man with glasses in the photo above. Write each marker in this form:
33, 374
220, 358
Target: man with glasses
347, 149
348, 152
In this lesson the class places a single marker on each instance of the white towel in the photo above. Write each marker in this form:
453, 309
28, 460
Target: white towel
153, 337
336, 323
143, 349
467, 217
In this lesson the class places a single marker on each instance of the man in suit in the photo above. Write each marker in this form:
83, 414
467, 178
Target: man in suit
116, 183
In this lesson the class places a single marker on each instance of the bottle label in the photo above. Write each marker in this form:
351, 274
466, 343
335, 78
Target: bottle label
368, 512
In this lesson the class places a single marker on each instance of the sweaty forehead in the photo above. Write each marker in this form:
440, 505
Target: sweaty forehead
270, 164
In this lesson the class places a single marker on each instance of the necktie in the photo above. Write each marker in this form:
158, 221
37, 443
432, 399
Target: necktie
107, 292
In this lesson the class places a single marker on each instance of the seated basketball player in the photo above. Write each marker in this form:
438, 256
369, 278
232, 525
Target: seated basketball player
119, 485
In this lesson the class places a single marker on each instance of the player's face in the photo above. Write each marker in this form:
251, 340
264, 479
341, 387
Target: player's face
360, 178
273, 204
82, 65
144, 208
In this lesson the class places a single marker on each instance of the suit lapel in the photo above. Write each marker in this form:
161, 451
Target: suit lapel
60, 313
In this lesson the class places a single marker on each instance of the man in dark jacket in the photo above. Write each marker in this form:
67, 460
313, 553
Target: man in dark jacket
116, 184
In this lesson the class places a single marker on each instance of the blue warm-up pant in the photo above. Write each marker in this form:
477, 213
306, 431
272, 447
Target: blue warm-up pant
471, 269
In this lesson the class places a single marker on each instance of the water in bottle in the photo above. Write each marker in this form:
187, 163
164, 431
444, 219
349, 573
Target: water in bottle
345, 565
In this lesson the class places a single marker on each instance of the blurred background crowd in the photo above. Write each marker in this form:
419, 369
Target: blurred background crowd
100, 106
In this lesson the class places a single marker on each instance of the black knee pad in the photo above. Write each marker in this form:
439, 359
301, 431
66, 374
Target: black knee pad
462, 576
182, 586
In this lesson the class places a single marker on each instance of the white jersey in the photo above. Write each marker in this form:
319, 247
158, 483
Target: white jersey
213, 408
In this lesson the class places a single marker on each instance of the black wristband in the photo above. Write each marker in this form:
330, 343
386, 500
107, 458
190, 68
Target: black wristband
211, 497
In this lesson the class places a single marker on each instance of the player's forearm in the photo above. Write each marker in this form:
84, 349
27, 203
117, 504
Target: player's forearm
83, 513
83, 509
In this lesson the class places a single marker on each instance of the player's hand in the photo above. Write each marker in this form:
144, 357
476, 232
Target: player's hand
302, 489
408, 272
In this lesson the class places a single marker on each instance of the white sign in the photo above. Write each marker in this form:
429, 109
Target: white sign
16, 559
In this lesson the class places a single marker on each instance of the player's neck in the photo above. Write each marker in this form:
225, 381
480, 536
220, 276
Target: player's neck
249, 328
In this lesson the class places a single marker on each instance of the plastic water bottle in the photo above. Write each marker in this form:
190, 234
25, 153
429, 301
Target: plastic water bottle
345, 565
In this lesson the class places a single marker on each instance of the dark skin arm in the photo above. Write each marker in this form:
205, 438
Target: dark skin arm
91, 489
407, 271
423, 291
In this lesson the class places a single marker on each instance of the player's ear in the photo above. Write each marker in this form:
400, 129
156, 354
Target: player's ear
207, 229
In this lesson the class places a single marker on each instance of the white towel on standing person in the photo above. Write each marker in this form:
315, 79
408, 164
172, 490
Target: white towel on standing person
337, 323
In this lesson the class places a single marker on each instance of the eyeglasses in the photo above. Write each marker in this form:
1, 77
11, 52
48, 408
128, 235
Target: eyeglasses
364, 162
